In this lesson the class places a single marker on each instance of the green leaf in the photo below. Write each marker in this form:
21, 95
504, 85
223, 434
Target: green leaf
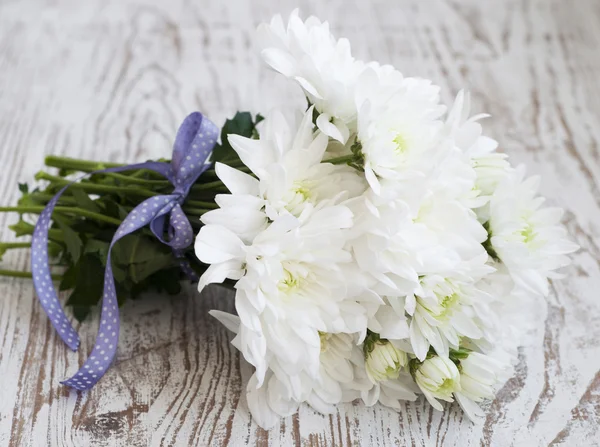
111, 208
123, 293
23, 188
142, 256
167, 280
69, 278
257, 120
459, 354
89, 284
134, 248
54, 250
120, 273
123, 213
141, 271
487, 244
99, 248
138, 289
84, 201
240, 124
91, 228
72, 239
22, 228
27, 200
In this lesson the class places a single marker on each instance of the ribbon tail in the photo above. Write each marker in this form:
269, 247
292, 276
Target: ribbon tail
40, 268
42, 280
105, 347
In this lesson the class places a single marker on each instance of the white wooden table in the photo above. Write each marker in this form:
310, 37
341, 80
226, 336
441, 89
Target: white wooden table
111, 79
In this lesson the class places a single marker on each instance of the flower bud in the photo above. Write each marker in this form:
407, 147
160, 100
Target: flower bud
384, 361
438, 378
480, 375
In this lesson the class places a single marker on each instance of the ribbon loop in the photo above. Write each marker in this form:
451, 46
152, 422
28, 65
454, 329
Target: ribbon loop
195, 140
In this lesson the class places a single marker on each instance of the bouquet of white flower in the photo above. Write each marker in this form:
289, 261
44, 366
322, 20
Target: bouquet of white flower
380, 246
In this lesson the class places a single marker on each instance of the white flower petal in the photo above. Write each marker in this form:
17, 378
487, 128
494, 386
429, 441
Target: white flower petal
216, 244
237, 182
330, 129
280, 61
259, 407
217, 273
230, 321
472, 410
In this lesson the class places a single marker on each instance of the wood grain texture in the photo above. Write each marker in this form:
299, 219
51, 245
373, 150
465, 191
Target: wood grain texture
113, 78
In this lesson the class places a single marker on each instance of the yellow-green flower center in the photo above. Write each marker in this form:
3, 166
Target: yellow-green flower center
448, 304
447, 386
323, 337
444, 308
302, 190
528, 233
289, 283
401, 143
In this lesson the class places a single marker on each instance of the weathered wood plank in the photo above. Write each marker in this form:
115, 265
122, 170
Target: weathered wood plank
112, 80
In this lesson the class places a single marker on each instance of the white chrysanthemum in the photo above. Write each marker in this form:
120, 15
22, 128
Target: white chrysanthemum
294, 276
323, 66
389, 321
527, 238
280, 394
286, 160
396, 240
508, 314
442, 308
384, 246
399, 137
293, 281
490, 167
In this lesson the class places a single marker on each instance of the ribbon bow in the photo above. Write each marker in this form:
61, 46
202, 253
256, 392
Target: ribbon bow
195, 140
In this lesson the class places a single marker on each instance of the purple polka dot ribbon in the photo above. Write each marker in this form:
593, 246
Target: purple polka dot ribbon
194, 142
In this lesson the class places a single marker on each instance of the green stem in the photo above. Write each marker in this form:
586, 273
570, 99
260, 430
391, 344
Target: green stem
91, 165
340, 160
200, 204
95, 188
206, 186
12, 245
136, 180
45, 198
18, 274
23, 228
236, 163
190, 211
4, 246
78, 165
62, 209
